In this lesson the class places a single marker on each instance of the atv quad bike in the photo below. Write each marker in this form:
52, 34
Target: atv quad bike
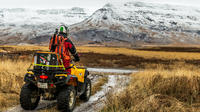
47, 78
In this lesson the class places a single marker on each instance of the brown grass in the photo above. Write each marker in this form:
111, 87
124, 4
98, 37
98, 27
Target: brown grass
145, 52
98, 86
159, 90
22, 48
172, 85
11, 81
148, 57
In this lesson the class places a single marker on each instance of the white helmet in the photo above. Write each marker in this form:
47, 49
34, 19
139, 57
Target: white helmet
64, 29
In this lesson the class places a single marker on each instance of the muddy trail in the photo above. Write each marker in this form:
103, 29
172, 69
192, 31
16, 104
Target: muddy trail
96, 102
115, 83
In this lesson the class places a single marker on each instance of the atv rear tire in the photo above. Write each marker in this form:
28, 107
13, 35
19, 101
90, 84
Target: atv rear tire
29, 98
86, 95
66, 99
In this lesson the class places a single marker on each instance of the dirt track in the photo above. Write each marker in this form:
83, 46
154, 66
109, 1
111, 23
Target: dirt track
96, 101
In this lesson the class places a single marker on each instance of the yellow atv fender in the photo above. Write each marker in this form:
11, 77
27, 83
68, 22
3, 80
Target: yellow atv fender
78, 72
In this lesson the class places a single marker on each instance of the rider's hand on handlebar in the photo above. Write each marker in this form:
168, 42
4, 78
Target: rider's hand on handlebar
76, 58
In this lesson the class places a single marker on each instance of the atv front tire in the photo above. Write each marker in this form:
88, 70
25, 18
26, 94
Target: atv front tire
86, 95
67, 99
29, 98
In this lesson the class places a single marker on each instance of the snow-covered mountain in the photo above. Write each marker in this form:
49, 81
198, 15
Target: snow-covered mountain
21, 25
134, 22
129, 22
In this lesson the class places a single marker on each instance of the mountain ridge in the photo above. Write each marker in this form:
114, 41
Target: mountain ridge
149, 23
128, 22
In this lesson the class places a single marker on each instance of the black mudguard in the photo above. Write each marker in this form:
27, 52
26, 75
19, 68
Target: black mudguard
86, 74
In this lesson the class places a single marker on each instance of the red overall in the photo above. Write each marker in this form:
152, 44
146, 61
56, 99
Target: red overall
66, 62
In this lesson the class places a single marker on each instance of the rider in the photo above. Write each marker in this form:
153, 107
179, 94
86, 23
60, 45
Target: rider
60, 43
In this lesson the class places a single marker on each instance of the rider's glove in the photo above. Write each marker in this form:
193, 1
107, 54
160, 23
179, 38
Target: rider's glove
76, 58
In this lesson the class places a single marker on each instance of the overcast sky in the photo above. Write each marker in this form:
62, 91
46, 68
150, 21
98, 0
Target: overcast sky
90, 4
